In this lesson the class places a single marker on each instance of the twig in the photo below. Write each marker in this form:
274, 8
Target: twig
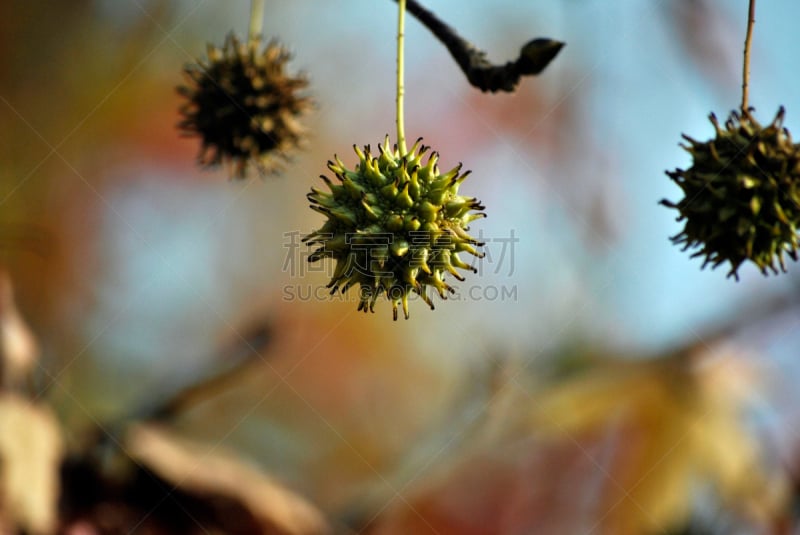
481, 73
256, 19
247, 358
751, 19
745, 317
401, 21
207, 389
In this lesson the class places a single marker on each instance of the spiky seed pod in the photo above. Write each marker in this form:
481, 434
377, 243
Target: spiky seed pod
244, 106
741, 194
395, 226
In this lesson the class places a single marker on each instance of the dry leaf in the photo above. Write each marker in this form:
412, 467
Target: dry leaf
200, 470
30, 455
18, 349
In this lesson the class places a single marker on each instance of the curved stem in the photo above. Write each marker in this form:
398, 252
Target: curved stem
751, 19
401, 20
256, 18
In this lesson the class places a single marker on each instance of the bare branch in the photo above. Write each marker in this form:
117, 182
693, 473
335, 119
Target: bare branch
480, 72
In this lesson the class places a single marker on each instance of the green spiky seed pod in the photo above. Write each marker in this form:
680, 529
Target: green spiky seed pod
741, 194
395, 226
244, 106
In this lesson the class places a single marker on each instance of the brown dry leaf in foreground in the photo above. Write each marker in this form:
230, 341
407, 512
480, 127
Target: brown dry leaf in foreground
30, 454
207, 472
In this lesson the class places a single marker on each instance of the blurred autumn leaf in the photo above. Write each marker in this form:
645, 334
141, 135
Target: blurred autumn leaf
18, 348
620, 447
198, 470
709, 37
30, 453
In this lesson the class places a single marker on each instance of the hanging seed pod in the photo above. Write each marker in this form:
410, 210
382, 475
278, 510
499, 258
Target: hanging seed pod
741, 195
244, 106
395, 226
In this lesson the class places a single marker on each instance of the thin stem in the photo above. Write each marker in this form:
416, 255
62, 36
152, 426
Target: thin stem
401, 22
256, 18
751, 19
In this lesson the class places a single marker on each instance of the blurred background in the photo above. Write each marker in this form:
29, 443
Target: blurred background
589, 379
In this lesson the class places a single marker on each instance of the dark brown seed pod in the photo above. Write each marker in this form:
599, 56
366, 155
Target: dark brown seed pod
244, 106
741, 195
